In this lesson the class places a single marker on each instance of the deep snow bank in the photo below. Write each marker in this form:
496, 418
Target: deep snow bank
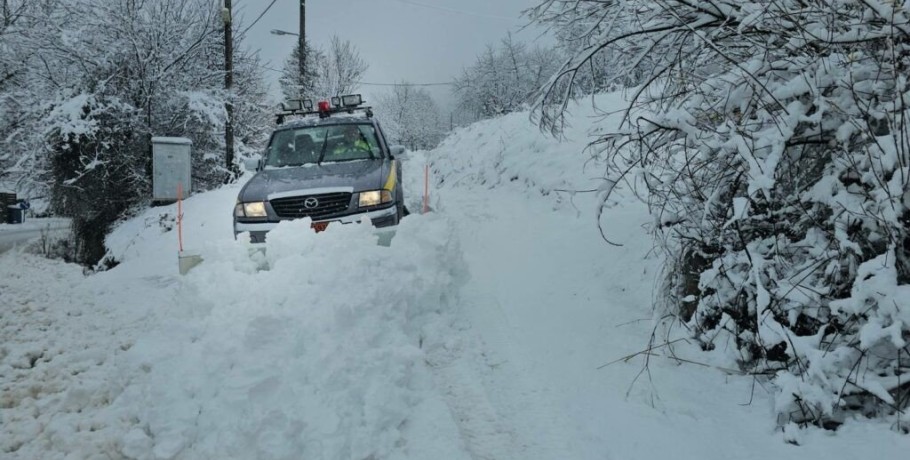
512, 150
554, 303
317, 348
62, 335
319, 356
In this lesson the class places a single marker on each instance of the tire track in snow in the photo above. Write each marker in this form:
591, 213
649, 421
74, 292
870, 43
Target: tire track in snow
486, 434
502, 248
498, 411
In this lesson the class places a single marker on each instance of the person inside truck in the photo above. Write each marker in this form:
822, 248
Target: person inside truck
352, 140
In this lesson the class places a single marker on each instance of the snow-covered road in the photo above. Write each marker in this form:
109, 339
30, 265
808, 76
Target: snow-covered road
13, 235
480, 333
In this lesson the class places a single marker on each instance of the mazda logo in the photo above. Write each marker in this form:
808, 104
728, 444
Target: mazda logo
311, 203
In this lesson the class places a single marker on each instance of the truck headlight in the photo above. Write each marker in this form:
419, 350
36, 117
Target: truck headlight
255, 209
375, 198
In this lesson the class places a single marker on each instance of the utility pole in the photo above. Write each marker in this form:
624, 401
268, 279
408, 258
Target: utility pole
302, 47
227, 14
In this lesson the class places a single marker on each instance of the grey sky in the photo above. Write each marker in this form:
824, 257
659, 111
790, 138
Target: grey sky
414, 40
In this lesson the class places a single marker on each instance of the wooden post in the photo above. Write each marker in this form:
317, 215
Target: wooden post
227, 14
180, 216
426, 189
302, 47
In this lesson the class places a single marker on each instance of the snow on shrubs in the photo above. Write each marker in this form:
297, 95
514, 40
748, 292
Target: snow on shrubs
777, 161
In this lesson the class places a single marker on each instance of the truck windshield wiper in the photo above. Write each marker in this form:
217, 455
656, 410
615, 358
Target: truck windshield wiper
325, 142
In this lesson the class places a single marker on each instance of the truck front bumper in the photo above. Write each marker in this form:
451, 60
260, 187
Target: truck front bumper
380, 218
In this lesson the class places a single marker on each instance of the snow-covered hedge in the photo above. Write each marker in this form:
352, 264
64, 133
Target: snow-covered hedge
778, 168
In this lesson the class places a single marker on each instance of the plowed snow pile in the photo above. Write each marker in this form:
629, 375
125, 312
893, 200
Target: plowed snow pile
316, 357
315, 349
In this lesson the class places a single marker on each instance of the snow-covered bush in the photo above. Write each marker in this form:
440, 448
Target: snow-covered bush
97, 165
776, 159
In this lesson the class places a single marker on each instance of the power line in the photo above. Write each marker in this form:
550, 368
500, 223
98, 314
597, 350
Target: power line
366, 83
370, 83
270, 68
454, 11
258, 18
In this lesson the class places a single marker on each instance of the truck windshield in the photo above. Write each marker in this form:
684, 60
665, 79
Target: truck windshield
318, 144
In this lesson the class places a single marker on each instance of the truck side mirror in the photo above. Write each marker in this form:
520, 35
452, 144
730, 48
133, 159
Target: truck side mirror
252, 164
397, 150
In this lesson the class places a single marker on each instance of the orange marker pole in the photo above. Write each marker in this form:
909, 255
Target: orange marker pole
180, 215
426, 189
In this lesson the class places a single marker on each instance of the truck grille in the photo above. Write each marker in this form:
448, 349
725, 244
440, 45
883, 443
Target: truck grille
328, 204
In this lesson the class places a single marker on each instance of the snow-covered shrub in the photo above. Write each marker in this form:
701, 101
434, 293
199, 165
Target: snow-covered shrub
55, 245
98, 167
776, 157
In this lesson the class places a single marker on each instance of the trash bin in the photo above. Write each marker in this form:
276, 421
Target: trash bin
15, 214
6, 199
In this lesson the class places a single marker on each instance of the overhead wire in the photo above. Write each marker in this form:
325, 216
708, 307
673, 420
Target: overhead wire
407, 2
454, 11
445, 83
370, 83
266, 10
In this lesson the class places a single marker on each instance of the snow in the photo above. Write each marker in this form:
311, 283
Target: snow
69, 117
301, 360
171, 140
36, 224
12, 235
481, 332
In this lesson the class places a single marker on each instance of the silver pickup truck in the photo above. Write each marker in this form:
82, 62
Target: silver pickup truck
331, 165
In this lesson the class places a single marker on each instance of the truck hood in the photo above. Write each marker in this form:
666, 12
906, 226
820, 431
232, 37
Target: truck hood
359, 175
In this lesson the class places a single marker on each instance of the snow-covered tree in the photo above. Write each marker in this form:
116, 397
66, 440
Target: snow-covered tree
330, 72
343, 69
410, 117
291, 85
771, 137
604, 70
24, 32
504, 79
